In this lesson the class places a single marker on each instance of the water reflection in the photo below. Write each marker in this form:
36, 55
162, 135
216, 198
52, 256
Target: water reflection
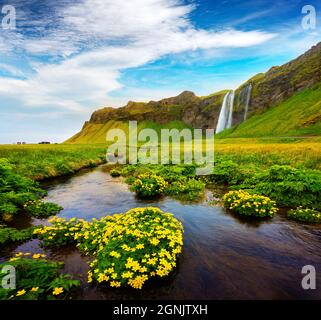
224, 257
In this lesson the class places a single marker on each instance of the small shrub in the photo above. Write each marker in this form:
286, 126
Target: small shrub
13, 235
288, 186
128, 170
40, 209
189, 189
17, 193
130, 180
173, 173
226, 172
305, 215
115, 173
248, 204
37, 278
149, 185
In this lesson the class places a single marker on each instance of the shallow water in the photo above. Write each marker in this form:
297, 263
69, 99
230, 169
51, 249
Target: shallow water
224, 257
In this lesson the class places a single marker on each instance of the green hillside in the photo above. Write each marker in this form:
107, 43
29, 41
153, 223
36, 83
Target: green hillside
284, 101
299, 115
95, 133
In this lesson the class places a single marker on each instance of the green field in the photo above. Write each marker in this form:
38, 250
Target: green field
44, 161
48, 161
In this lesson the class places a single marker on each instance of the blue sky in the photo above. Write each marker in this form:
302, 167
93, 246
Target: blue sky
67, 58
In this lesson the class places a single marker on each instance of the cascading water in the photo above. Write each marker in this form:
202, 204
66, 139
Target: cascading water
248, 98
226, 115
231, 105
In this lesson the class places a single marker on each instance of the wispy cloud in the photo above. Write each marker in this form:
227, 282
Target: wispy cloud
92, 41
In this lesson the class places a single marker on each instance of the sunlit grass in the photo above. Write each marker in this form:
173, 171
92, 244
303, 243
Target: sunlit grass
43, 161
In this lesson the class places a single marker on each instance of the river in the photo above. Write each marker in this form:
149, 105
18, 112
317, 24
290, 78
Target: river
224, 257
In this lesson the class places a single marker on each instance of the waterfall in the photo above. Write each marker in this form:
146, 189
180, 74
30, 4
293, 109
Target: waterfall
231, 104
226, 114
248, 98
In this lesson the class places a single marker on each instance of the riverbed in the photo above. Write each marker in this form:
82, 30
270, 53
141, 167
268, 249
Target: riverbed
224, 256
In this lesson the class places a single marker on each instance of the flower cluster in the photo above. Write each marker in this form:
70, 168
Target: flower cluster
248, 204
305, 215
61, 233
41, 209
149, 184
128, 249
38, 278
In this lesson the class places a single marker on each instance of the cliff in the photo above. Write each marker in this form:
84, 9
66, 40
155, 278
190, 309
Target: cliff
268, 89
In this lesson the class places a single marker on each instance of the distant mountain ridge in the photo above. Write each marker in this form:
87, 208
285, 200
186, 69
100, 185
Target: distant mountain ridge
267, 90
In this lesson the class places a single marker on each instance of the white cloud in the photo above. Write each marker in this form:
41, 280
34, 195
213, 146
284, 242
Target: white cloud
11, 70
117, 35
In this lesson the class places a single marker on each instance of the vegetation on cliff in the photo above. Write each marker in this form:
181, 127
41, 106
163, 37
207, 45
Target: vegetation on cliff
284, 101
299, 115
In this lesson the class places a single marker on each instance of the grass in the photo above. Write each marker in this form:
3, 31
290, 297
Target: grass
45, 161
299, 115
302, 153
95, 133
48, 161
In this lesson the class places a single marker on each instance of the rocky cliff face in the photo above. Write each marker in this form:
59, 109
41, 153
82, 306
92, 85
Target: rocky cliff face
198, 112
280, 83
267, 89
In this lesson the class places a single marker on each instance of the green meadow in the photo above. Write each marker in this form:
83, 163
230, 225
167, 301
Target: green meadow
48, 161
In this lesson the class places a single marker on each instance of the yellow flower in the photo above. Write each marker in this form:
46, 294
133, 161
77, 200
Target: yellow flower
115, 254
34, 289
154, 241
152, 261
57, 291
102, 277
90, 276
115, 284
36, 256
143, 269
13, 259
19, 254
127, 274
21, 293
138, 282
114, 275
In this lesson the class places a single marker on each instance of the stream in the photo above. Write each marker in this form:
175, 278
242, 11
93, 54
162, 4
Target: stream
224, 256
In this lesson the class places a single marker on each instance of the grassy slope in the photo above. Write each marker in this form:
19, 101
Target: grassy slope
297, 116
96, 133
